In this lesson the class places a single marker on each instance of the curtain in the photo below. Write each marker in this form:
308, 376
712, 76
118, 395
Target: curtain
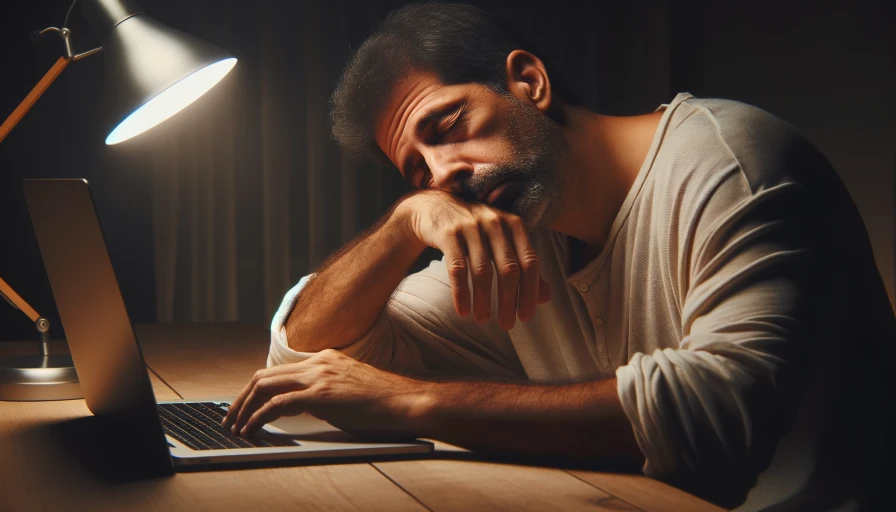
248, 190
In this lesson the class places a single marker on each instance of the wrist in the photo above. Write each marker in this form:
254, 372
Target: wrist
422, 409
401, 223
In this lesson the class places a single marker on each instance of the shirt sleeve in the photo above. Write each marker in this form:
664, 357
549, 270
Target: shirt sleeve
708, 415
418, 333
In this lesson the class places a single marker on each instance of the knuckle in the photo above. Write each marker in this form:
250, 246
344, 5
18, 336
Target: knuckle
529, 263
491, 221
454, 231
329, 353
483, 269
513, 220
457, 268
471, 225
509, 268
278, 402
323, 390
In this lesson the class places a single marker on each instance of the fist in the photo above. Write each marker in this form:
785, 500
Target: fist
478, 240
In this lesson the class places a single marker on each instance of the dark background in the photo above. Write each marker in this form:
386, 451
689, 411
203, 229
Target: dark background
827, 68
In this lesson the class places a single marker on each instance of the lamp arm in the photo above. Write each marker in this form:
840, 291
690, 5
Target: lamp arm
32, 97
48, 78
40, 323
17, 301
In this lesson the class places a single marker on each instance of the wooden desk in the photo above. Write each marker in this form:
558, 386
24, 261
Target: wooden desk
214, 360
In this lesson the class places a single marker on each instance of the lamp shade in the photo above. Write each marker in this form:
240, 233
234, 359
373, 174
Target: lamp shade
152, 70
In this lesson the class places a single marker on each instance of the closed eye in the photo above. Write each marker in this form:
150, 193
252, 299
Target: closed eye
450, 125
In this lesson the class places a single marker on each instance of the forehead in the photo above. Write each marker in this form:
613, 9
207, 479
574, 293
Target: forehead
416, 94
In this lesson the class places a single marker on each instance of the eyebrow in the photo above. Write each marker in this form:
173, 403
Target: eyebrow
435, 115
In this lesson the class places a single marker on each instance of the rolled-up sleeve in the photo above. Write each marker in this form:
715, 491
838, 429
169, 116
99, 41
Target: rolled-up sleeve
709, 414
418, 333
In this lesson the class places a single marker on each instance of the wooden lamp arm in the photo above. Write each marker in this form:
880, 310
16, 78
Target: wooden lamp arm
32, 97
16, 300
41, 323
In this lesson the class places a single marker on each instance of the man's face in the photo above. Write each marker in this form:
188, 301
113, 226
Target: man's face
470, 140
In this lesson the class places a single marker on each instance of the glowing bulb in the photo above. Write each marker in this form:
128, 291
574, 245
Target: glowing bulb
170, 101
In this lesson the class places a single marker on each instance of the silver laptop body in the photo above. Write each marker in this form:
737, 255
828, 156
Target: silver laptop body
110, 364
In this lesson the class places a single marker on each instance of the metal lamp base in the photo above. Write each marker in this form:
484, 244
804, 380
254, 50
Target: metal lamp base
39, 378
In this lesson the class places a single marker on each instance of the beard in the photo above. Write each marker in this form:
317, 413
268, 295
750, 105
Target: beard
534, 191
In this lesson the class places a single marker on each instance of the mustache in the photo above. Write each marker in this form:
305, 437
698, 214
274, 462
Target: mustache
494, 175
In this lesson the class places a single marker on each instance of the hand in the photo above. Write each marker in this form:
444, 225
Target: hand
475, 237
351, 395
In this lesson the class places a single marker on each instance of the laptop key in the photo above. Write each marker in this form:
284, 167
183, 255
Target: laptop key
198, 425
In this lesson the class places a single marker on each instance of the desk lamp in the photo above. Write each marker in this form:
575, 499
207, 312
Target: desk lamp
152, 72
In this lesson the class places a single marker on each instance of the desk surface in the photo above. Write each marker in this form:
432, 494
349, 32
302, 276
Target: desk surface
214, 360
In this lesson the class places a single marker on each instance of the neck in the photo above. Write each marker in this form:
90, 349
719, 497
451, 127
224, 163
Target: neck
605, 155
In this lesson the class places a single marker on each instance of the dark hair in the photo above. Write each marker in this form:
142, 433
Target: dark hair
459, 43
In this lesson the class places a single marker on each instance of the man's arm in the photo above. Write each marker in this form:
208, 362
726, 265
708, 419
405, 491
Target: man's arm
583, 421
329, 313
343, 301
574, 422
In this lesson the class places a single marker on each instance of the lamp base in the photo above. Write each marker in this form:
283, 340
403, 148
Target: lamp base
39, 378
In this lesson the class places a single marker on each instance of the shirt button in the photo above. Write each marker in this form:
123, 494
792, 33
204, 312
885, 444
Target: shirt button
605, 362
583, 287
598, 322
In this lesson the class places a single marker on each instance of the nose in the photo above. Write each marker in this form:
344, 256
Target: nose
448, 172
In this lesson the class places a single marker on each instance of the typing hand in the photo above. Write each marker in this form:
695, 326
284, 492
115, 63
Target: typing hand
351, 395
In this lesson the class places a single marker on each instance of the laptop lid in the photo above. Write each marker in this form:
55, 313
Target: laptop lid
100, 335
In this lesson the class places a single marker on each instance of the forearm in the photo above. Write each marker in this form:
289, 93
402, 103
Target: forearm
344, 299
583, 421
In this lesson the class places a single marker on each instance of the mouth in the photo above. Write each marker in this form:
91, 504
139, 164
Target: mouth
503, 194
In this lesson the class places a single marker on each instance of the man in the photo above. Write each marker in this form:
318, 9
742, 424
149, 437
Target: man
690, 291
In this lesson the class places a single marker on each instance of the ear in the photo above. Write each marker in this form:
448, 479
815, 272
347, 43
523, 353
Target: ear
528, 80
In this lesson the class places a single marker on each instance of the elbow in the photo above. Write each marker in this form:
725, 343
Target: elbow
706, 425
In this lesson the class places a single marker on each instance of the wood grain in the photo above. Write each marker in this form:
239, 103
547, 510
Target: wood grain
453, 485
205, 360
646, 493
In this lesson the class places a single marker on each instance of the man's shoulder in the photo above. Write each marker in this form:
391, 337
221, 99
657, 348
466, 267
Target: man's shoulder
766, 148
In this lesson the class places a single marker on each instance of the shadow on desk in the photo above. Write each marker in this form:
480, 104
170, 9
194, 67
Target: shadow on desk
114, 453
118, 454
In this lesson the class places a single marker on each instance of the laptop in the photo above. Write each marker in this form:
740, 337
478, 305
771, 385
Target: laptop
113, 374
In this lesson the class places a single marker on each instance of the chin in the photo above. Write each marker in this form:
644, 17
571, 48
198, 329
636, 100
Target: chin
534, 209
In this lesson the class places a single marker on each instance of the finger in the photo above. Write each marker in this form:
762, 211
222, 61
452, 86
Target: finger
529, 274
508, 267
481, 274
263, 391
287, 404
456, 262
235, 406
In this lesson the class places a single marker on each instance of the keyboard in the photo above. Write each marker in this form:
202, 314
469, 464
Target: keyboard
198, 425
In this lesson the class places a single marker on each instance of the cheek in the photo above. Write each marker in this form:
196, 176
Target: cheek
491, 142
